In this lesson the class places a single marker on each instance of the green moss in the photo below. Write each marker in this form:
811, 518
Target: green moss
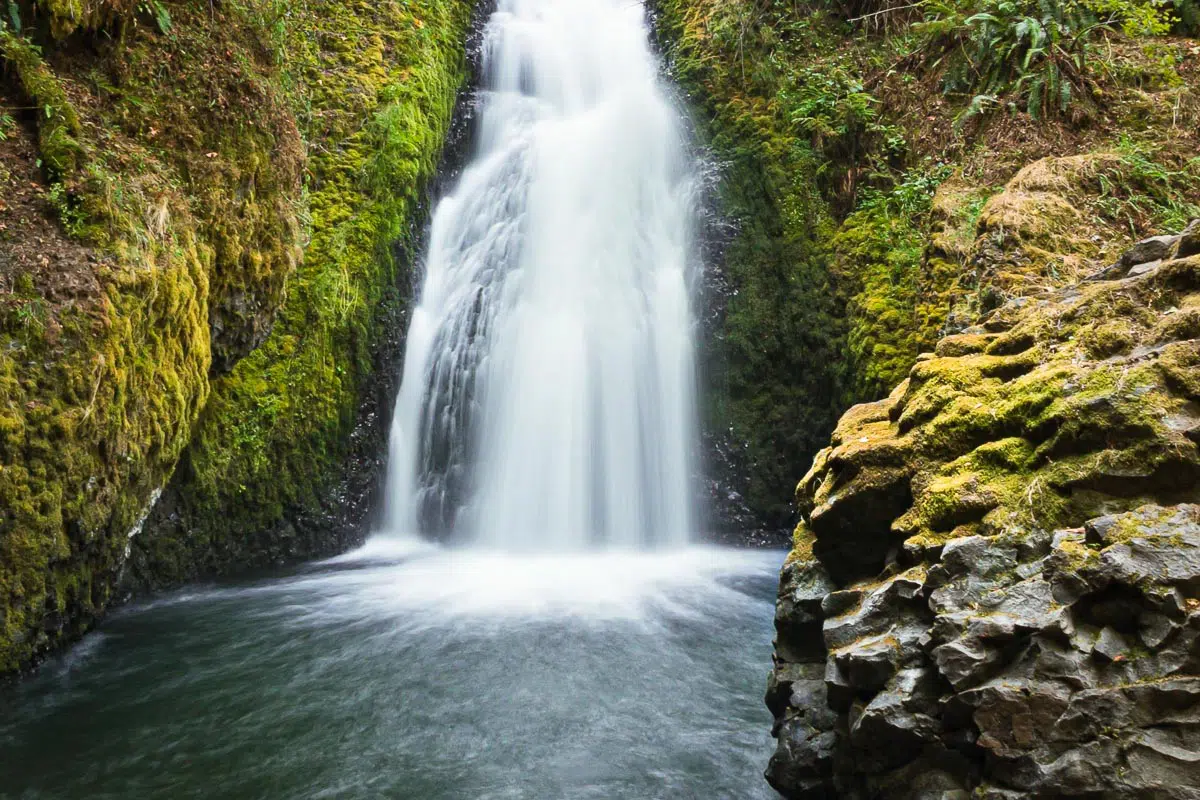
884, 251
947, 502
802, 544
1180, 364
773, 379
183, 175
868, 223
84, 445
1151, 522
1013, 454
175, 171
1105, 339
850, 259
963, 344
1051, 427
902, 258
1071, 557
276, 430
58, 121
1060, 218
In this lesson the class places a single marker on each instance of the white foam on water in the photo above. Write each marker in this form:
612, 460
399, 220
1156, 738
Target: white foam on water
433, 587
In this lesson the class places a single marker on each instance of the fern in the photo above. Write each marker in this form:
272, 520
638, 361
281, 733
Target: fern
155, 9
1033, 53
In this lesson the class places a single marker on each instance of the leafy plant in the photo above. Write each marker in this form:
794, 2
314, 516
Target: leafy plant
829, 105
1148, 192
68, 208
30, 316
1039, 54
270, 19
1034, 55
1134, 17
1187, 17
911, 194
159, 12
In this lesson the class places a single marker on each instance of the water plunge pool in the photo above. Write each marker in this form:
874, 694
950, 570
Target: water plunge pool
405, 671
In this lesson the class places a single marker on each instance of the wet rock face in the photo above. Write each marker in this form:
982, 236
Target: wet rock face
995, 590
1064, 667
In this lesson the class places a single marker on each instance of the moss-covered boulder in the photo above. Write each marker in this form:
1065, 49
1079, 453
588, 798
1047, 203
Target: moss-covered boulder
1052, 410
999, 554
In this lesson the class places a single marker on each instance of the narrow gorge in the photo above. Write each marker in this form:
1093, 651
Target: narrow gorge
433, 399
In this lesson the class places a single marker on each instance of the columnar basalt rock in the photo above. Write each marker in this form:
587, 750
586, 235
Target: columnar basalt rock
995, 590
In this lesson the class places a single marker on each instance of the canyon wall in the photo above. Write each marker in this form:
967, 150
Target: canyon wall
206, 232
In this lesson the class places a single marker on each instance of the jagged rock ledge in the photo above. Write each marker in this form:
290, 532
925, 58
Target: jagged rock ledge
995, 588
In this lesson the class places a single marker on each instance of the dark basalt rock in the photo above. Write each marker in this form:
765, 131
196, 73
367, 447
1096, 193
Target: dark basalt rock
1156, 248
995, 590
1076, 673
1189, 240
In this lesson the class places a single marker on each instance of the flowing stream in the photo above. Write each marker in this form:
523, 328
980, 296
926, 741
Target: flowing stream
566, 639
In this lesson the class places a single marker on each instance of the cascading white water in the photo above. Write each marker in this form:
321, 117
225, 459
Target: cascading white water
547, 395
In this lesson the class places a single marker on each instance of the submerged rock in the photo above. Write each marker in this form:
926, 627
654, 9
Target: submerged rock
1009, 550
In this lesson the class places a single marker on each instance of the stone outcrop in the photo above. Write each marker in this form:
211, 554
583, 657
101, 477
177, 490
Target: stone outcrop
995, 590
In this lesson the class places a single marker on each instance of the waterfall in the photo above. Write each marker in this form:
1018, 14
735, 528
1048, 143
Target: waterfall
547, 396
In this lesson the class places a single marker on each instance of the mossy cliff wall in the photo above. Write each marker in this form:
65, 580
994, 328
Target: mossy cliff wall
260, 482
854, 176
772, 367
204, 216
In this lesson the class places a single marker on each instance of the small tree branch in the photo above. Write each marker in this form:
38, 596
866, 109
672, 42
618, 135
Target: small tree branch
887, 11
